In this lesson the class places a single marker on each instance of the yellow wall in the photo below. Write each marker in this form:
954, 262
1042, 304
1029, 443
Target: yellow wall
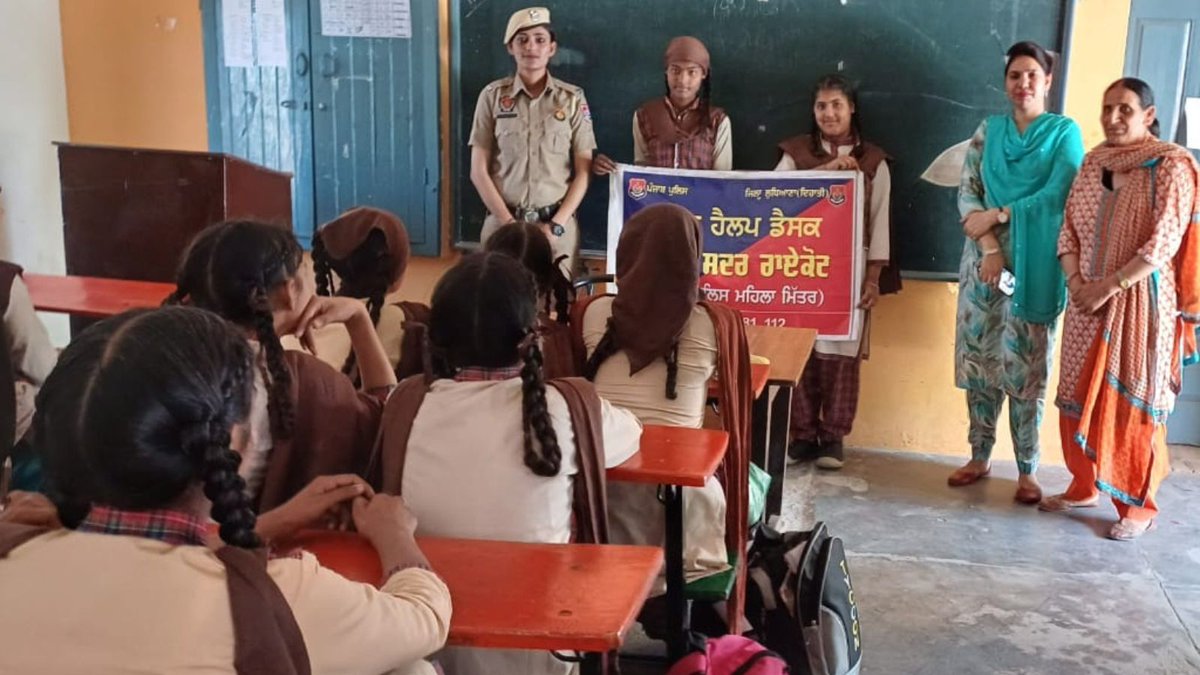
908, 402
1097, 58
135, 73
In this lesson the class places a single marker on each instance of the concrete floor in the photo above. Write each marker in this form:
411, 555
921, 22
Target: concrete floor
964, 581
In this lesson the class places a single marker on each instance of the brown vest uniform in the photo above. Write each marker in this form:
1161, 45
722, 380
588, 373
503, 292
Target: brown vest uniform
869, 156
682, 142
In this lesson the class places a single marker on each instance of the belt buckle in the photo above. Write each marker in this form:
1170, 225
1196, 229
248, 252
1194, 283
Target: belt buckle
530, 216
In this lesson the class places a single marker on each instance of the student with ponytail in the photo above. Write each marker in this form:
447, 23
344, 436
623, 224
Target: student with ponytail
366, 252
138, 426
491, 450
306, 419
526, 242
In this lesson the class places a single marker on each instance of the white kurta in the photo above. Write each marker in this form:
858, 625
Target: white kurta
464, 476
879, 214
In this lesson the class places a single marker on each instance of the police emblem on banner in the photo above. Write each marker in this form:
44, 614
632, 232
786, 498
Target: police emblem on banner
837, 194
637, 187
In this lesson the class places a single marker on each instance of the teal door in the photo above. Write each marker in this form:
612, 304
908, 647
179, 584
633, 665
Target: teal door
1164, 50
375, 123
354, 119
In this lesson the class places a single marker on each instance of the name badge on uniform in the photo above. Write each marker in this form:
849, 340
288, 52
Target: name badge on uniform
508, 107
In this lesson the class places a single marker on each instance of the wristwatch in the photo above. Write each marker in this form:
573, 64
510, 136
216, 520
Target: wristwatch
1002, 217
556, 229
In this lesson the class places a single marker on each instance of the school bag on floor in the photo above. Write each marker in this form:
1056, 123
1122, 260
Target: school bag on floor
730, 655
800, 601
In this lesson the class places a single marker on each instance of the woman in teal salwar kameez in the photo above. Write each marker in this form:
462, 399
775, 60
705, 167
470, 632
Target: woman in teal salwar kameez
1014, 186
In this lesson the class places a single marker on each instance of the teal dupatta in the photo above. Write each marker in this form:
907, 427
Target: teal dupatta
1031, 174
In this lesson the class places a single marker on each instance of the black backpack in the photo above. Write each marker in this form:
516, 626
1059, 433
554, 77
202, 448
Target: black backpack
800, 601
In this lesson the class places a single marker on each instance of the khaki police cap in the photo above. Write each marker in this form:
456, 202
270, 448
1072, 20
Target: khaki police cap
526, 18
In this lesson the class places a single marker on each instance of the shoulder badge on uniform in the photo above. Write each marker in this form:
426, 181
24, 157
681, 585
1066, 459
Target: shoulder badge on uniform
587, 113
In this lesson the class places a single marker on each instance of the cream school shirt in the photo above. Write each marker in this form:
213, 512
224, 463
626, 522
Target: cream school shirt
30, 352
96, 603
634, 512
464, 476
333, 344
880, 248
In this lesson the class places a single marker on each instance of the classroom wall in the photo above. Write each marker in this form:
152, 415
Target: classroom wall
909, 401
33, 115
135, 73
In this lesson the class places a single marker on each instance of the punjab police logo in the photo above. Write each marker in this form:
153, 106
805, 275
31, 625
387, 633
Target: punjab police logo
837, 194
637, 187
507, 104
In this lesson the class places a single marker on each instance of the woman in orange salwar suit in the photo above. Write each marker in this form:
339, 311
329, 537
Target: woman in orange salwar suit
1131, 252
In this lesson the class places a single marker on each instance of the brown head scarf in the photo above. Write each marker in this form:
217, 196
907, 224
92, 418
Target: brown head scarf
686, 48
658, 274
342, 235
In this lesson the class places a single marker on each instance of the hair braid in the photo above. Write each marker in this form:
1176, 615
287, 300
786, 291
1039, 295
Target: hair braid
672, 359
604, 349
321, 267
536, 416
279, 378
231, 506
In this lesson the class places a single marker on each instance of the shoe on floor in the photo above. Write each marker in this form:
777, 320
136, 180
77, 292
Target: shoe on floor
803, 451
1128, 529
1059, 503
1029, 496
831, 457
966, 475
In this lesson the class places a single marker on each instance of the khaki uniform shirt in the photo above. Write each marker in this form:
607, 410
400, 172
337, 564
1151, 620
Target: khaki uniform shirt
533, 141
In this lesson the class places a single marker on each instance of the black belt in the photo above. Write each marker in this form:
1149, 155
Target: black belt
534, 215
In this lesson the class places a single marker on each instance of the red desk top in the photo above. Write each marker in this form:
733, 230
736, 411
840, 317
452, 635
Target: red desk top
507, 595
760, 375
92, 296
673, 456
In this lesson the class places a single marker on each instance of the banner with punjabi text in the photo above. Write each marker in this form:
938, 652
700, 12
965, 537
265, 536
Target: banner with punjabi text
784, 248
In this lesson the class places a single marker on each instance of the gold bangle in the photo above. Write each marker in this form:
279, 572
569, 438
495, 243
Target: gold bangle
989, 251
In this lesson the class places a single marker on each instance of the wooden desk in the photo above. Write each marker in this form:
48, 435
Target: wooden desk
93, 296
674, 457
509, 595
789, 350
760, 377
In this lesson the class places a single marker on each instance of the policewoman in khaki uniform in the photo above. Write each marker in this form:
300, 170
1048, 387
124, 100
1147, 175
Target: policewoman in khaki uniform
532, 140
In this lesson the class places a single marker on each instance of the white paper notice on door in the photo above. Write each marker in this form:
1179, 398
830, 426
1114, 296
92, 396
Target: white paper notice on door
1191, 115
366, 18
270, 34
237, 32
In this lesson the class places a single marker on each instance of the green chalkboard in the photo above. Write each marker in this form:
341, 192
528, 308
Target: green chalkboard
928, 71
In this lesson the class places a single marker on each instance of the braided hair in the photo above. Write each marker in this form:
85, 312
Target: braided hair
484, 314
231, 269
528, 243
138, 411
608, 346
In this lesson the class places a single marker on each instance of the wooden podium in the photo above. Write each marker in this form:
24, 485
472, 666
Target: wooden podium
129, 213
